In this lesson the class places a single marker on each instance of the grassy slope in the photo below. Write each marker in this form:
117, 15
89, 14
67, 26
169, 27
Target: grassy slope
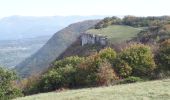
116, 33
154, 90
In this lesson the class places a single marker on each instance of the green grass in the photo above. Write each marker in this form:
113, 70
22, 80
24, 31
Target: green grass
116, 33
153, 90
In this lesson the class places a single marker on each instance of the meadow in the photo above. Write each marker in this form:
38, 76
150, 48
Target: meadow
116, 33
151, 90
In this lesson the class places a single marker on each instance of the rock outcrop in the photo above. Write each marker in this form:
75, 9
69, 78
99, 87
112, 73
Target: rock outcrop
93, 39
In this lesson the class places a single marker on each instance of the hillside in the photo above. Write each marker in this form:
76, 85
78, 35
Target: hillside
153, 90
148, 30
116, 33
77, 49
53, 48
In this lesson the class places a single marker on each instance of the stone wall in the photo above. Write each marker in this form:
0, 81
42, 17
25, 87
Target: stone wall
93, 39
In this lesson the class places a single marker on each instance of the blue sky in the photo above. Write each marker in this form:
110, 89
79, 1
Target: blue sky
84, 7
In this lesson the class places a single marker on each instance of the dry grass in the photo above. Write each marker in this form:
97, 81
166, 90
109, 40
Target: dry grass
153, 90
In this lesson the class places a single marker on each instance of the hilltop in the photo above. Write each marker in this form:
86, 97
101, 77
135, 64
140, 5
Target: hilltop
116, 33
148, 30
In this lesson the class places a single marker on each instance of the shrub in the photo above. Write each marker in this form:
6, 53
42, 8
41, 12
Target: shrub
140, 58
58, 78
73, 61
108, 54
86, 71
106, 74
7, 89
62, 74
162, 74
28, 85
132, 79
163, 55
108, 21
93, 71
122, 68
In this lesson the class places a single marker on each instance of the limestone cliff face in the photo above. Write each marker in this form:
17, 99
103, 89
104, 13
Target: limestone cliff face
93, 39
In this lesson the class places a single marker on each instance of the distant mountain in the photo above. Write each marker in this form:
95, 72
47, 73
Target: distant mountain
19, 27
53, 48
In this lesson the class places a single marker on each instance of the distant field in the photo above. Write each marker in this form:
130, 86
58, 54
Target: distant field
12, 52
153, 90
117, 33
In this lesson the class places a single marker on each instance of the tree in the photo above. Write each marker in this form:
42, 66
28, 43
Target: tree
108, 54
73, 61
58, 78
95, 71
7, 90
62, 74
122, 68
140, 58
106, 74
163, 55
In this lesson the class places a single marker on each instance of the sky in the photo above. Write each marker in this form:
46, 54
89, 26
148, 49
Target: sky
84, 7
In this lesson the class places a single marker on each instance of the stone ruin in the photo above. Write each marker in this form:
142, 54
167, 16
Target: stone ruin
93, 39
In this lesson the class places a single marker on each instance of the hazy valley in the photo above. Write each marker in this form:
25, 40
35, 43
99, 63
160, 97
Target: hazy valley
22, 36
13, 52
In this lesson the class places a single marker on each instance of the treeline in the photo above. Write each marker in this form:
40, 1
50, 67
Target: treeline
154, 34
154, 29
136, 62
133, 21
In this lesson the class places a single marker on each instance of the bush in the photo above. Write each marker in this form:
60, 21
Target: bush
7, 89
122, 68
162, 74
93, 71
62, 74
108, 54
28, 85
73, 61
132, 79
107, 22
163, 55
140, 58
68, 73
106, 74
57, 78
87, 71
